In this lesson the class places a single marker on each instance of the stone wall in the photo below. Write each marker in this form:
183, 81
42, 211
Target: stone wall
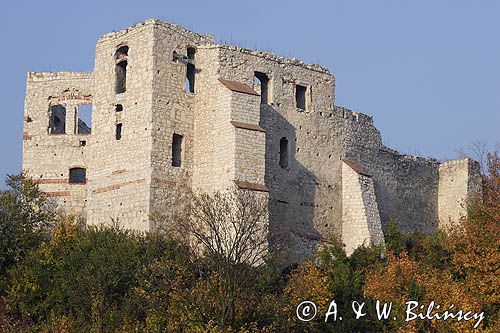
47, 157
213, 132
459, 180
289, 141
120, 171
172, 111
360, 215
405, 186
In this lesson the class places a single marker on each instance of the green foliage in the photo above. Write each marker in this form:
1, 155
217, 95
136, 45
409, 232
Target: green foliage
89, 275
395, 239
105, 279
82, 276
347, 278
459, 267
429, 249
25, 218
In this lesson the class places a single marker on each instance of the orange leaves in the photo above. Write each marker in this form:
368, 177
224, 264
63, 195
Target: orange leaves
405, 279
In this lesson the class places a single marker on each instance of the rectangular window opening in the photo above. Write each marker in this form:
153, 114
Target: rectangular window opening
261, 85
176, 150
77, 176
190, 53
121, 77
57, 121
190, 73
84, 116
190, 70
300, 96
283, 153
118, 132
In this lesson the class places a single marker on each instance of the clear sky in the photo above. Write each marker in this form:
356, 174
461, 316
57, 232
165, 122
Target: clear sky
427, 70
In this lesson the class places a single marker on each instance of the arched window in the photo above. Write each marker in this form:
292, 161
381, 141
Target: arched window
77, 176
284, 153
121, 52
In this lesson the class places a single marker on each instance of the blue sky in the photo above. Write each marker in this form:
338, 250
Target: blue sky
428, 71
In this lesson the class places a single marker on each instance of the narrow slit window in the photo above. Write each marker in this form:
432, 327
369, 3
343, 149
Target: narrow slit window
57, 121
176, 150
261, 85
121, 57
77, 176
84, 119
190, 70
118, 132
300, 96
121, 77
284, 153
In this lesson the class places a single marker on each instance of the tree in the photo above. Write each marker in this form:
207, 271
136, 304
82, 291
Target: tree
26, 217
162, 285
83, 274
307, 283
461, 267
477, 150
474, 244
228, 231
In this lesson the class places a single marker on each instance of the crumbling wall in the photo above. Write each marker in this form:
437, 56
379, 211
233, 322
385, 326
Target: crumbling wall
48, 155
305, 196
301, 207
120, 173
405, 186
239, 117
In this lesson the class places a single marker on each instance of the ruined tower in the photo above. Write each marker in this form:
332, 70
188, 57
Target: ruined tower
173, 111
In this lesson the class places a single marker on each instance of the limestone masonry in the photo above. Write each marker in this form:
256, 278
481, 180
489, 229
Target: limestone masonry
173, 111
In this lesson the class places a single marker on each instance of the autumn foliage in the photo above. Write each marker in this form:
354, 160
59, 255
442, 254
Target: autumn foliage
460, 268
59, 276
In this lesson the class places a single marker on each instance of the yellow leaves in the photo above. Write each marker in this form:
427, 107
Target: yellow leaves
166, 291
308, 283
404, 279
66, 229
475, 245
391, 283
471, 277
58, 324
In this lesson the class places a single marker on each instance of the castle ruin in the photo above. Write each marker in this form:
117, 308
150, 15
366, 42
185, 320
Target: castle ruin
173, 111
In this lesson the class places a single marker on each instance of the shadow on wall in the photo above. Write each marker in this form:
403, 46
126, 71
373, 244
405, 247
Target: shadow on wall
292, 190
405, 188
